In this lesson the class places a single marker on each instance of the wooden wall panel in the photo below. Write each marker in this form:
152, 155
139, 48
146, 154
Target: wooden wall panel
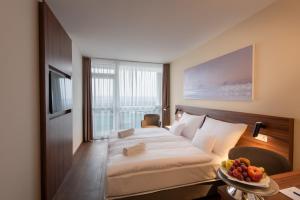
280, 130
56, 133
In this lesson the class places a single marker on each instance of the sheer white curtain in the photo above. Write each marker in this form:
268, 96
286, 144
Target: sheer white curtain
122, 93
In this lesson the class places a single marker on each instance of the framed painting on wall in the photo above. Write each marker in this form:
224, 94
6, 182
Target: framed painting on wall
228, 77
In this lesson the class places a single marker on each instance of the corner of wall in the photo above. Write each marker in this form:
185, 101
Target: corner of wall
77, 97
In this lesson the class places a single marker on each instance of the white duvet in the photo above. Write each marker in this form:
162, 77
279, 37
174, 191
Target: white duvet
163, 151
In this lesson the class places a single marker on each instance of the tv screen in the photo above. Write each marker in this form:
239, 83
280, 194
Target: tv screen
60, 92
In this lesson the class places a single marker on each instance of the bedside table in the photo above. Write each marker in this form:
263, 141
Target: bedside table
284, 180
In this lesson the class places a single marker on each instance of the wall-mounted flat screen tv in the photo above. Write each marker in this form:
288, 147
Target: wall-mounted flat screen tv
60, 92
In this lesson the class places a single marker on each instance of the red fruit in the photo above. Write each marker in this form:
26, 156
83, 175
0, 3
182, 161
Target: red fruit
245, 174
237, 162
244, 167
240, 169
255, 173
236, 173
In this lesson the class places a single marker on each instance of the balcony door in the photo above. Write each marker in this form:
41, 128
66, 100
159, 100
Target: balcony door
122, 93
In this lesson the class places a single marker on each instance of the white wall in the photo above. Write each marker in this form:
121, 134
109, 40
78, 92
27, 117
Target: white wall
19, 101
276, 34
77, 97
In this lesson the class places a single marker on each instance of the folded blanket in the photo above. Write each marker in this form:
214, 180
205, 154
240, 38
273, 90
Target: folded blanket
133, 150
125, 133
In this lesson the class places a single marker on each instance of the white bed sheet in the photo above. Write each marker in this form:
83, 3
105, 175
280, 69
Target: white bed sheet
169, 161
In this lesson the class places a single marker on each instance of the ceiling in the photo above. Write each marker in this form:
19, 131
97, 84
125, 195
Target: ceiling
149, 30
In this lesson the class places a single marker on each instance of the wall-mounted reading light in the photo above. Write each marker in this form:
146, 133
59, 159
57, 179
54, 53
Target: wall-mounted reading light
258, 126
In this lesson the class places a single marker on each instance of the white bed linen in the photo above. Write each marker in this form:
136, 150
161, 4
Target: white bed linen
169, 161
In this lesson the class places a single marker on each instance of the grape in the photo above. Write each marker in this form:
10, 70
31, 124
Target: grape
239, 169
245, 168
240, 177
236, 173
237, 162
230, 173
248, 179
245, 174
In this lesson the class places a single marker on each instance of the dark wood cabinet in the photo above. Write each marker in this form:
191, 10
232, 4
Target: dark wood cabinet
56, 133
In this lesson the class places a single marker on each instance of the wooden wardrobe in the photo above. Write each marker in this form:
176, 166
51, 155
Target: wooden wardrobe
56, 131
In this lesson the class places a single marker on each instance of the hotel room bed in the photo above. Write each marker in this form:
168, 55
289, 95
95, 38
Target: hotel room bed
169, 161
172, 168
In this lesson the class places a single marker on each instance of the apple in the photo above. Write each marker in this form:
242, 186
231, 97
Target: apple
255, 173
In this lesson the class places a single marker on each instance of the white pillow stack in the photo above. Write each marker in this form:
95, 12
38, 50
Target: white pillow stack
177, 128
204, 140
192, 123
226, 135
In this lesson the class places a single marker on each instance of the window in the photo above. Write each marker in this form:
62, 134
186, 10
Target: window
122, 93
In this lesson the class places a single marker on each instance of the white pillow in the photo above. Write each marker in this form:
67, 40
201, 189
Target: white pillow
226, 134
204, 140
192, 123
177, 128
186, 116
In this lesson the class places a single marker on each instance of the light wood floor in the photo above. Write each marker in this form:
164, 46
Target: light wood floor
85, 181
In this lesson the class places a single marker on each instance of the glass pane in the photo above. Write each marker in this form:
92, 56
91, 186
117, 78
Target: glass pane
102, 123
103, 99
123, 92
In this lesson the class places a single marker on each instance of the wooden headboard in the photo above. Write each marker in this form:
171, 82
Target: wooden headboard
280, 130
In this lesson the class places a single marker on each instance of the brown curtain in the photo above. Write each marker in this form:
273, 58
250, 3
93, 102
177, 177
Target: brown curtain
166, 95
87, 100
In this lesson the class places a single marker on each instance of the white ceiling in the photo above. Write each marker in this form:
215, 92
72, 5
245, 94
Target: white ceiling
148, 30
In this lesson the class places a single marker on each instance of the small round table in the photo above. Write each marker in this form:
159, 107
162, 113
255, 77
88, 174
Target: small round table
241, 191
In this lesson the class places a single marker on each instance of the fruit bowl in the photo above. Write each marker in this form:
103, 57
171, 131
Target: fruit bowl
238, 190
240, 170
264, 182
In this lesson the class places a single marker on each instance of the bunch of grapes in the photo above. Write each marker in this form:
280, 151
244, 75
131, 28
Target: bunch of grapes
239, 170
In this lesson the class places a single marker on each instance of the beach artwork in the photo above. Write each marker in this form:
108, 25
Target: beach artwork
228, 77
